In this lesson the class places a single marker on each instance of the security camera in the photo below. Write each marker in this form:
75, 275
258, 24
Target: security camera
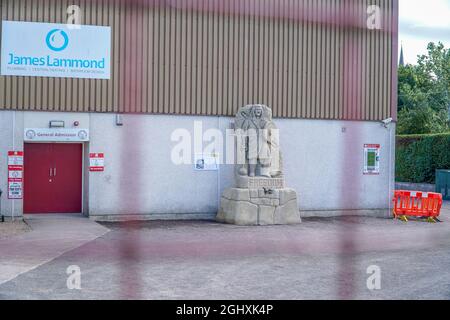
387, 122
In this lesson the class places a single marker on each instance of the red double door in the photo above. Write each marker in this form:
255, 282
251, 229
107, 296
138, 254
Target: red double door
52, 178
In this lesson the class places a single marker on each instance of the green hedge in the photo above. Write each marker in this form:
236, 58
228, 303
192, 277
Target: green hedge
418, 157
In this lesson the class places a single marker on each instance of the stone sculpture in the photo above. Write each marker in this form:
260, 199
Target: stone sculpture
260, 196
257, 140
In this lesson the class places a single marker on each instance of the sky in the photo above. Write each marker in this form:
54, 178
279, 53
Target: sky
421, 22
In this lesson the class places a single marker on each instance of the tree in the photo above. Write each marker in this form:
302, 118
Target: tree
424, 93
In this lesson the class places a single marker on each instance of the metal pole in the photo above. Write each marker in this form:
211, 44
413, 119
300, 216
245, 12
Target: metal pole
14, 149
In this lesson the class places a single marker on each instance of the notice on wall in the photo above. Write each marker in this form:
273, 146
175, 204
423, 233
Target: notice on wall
56, 135
206, 162
372, 159
15, 174
96, 162
55, 50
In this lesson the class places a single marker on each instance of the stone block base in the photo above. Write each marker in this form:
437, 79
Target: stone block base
252, 207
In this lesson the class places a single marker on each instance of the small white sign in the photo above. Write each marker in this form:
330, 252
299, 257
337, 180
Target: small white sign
206, 162
15, 158
55, 50
15, 174
15, 190
57, 135
96, 162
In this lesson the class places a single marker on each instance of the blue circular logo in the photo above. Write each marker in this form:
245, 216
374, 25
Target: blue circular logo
57, 40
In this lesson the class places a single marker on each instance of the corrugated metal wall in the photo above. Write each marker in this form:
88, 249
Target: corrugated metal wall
305, 58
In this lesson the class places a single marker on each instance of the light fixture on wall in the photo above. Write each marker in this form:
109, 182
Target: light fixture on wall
56, 124
386, 122
119, 120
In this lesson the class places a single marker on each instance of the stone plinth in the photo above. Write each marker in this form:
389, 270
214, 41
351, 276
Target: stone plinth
259, 207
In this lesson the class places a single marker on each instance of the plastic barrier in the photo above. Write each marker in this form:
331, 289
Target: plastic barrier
417, 204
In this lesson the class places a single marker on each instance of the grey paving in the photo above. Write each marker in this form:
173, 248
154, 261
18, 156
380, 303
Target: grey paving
50, 236
13, 228
320, 259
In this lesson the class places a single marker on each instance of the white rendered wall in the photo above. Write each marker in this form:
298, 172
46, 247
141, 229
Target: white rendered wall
323, 161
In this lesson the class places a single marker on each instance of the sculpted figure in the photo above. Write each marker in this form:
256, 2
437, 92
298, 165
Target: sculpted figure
257, 142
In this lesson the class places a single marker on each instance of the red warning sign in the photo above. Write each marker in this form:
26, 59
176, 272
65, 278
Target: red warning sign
15, 174
96, 162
